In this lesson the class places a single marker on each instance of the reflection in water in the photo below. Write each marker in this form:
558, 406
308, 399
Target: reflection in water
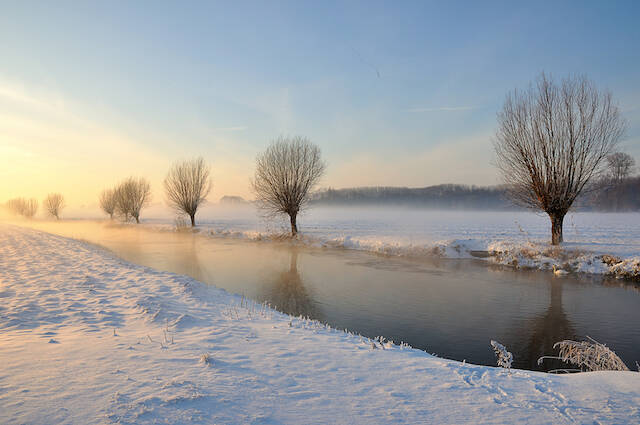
287, 293
614, 282
188, 256
545, 330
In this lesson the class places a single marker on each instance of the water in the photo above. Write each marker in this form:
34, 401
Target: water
452, 308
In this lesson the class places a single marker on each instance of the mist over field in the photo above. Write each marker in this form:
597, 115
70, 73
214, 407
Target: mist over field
381, 228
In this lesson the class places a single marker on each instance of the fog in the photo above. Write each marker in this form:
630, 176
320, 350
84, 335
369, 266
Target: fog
379, 228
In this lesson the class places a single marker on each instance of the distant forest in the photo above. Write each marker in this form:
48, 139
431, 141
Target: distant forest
607, 196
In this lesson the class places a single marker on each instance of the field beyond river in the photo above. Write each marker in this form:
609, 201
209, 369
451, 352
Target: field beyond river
595, 243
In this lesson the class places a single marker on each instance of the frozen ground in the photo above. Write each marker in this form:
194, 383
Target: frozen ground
600, 243
87, 338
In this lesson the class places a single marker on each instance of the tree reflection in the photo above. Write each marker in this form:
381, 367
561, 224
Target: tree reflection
186, 255
286, 292
545, 330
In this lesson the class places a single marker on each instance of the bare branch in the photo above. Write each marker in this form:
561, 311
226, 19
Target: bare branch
108, 202
620, 166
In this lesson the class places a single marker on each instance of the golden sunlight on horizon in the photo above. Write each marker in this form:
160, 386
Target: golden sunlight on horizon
46, 147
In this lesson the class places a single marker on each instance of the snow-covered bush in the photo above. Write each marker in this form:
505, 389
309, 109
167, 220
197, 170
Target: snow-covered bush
626, 269
504, 357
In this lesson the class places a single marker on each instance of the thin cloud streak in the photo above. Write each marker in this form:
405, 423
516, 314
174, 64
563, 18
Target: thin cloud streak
443, 108
17, 94
239, 128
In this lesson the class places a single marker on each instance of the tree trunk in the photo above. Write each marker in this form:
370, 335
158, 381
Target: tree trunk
137, 220
193, 220
556, 228
294, 225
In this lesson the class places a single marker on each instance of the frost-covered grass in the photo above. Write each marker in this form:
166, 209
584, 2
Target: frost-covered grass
588, 355
504, 358
87, 338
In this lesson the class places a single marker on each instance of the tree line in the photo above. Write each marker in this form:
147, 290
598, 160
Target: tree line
607, 194
446, 196
553, 146
52, 204
285, 176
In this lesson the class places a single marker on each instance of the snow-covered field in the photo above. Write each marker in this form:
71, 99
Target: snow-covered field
87, 338
599, 243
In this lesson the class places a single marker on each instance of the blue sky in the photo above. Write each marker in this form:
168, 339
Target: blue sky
395, 93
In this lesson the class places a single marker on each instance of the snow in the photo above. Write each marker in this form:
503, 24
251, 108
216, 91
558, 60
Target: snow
596, 243
88, 338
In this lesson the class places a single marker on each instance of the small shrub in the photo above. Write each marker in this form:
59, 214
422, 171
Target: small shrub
504, 357
206, 359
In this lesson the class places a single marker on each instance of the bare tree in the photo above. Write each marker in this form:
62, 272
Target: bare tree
24, 207
620, 166
30, 208
16, 205
131, 196
53, 204
187, 185
552, 139
108, 202
285, 175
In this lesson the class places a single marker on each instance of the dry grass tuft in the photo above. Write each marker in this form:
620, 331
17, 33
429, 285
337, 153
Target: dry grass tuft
590, 355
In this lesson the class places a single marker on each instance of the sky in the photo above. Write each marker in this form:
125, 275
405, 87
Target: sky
394, 93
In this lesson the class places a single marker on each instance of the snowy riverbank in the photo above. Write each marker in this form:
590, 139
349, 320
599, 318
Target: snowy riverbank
87, 338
